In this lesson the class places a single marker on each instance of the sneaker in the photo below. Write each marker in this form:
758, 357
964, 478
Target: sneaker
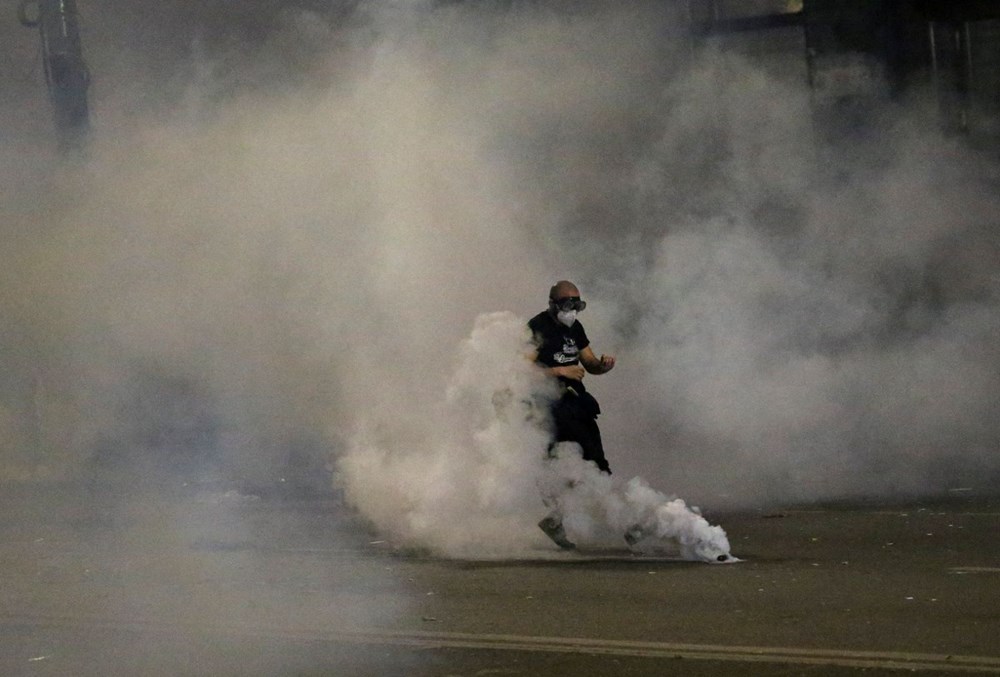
553, 528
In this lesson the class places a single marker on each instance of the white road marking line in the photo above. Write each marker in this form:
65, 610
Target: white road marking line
605, 647
974, 570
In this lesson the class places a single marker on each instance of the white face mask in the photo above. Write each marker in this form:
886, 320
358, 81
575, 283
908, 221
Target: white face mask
567, 317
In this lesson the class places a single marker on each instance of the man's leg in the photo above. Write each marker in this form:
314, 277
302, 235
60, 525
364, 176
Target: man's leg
593, 447
587, 434
551, 524
573, 425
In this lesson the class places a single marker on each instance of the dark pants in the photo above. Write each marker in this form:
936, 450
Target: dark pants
575, 418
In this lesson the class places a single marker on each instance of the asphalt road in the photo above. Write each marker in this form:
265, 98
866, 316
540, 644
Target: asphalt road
100, 580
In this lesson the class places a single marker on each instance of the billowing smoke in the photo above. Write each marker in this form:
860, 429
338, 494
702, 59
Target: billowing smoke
473, 483
817, 316
474, 468
276, 253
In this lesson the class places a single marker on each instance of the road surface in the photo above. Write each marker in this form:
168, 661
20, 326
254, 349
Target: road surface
101, 580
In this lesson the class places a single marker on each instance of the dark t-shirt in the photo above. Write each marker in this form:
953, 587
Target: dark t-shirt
558, 345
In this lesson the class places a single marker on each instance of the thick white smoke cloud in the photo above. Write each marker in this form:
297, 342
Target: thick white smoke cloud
458, 473
466, 473
793, 320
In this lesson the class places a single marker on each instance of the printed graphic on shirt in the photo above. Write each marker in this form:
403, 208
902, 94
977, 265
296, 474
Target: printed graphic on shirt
569, 352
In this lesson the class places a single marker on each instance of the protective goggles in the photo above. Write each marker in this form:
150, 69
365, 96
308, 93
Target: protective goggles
568, 303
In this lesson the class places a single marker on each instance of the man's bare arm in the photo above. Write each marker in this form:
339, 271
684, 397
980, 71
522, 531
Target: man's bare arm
594, 364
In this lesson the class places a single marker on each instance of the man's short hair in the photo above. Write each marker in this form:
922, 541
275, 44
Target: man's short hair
561, 283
